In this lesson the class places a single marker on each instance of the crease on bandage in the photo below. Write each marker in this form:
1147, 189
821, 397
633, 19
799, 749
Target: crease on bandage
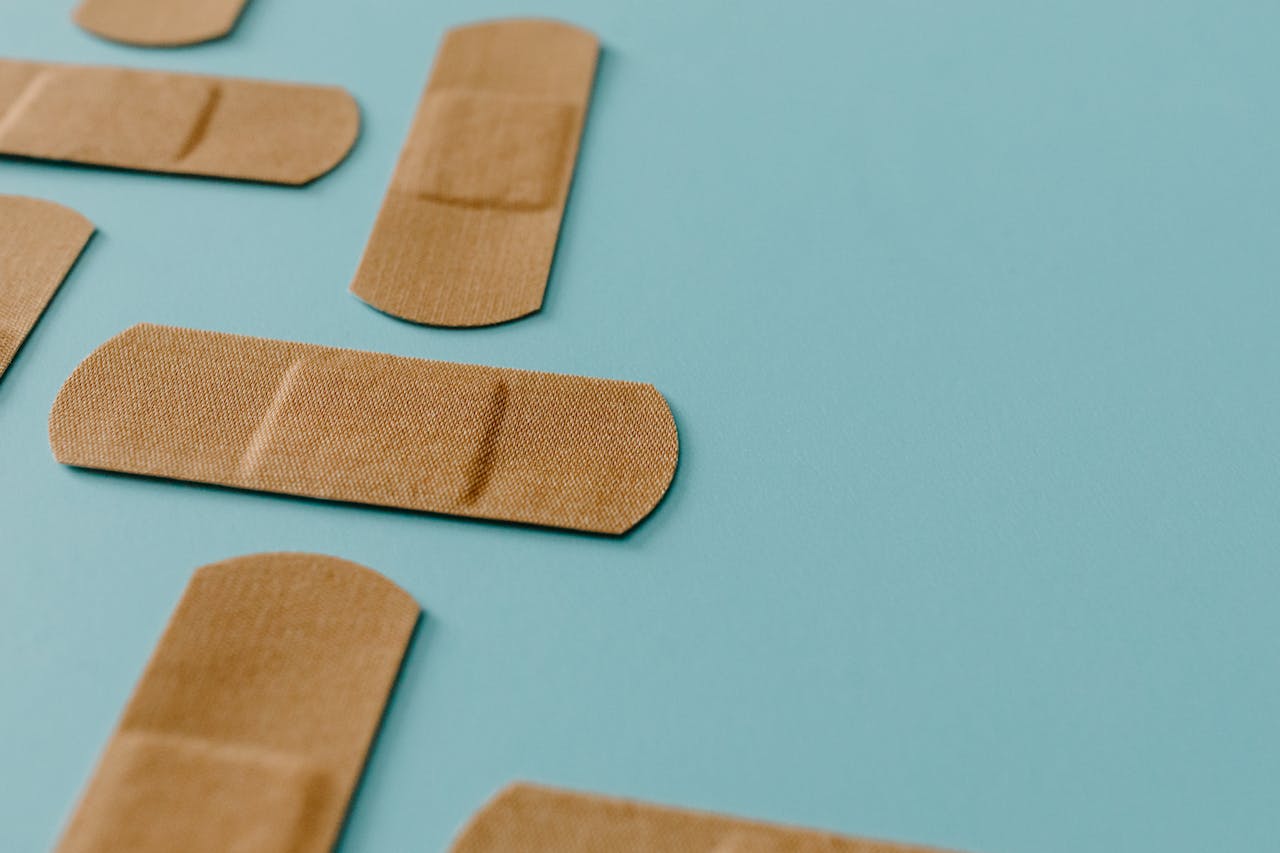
30, 90
473, 204
200, 128
261, 438
480, 470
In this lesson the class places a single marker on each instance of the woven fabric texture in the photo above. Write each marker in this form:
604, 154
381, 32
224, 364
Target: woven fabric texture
468, 229
159, 23
39, 243
250, 726
513, 445
533, 819
187, 124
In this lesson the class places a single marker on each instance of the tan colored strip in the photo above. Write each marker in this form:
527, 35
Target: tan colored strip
299, 419
533, 819
159, 23
250, 726
468, 228
39, 243
186, 124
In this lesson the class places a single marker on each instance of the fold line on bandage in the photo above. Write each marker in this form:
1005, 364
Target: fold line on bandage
480, 470
261, 438
23, 100
200, 128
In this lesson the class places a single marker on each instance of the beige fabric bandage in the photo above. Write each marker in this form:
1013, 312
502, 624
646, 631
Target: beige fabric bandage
39, 243
159, 23
468, 228
249, 728
533, 819
187, 124
485, 442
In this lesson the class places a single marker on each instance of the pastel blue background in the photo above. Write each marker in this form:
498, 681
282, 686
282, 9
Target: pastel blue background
968, 314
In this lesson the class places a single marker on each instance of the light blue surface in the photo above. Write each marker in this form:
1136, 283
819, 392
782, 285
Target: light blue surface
968, 314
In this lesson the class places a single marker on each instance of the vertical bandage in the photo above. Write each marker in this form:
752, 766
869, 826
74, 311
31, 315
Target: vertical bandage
250, 725
469, 225
39, 243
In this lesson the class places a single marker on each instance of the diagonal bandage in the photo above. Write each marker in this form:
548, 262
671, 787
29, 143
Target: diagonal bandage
534, 819
468, 228
39, 243
250, 725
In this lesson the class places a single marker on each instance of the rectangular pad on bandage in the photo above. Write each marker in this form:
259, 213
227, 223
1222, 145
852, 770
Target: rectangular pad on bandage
534, 819
250, 726
159, 23
187, 124
275, 416
39, 243
490, 150
469, 225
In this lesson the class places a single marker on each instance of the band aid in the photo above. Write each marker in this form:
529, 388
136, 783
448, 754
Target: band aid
186, 124
512, 445
468, 228
249, 728
534, 819
39, 243
159, 23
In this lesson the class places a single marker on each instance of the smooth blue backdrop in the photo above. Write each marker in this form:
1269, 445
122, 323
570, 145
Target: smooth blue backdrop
968, 314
